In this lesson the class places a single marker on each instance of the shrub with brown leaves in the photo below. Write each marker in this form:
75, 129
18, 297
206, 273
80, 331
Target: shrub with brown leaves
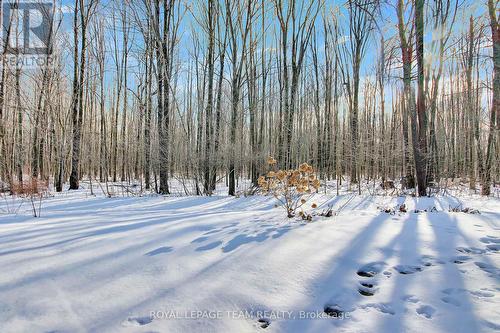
292, 188
34, 189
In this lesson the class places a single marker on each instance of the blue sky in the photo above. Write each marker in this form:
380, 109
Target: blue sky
387, 24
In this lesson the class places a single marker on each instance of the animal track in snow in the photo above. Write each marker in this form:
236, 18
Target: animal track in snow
367, 289
470, 250
333, 311
451, 291
138, 321
493, 247
491, 325
460, 259
264, 322
410, 298
382, 307
428, 260
426, 310
407, 269
488, 268
451, 300
482, 293
490, 240
371, 269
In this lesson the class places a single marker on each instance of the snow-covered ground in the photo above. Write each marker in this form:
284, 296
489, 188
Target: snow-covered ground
219, 264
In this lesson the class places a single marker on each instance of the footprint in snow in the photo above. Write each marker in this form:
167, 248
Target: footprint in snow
138, 321
426, 311
460, 259
451, 300
482, 293
491, 325
470, 250
264, 322
333, 311
407, 269
490, 240
410, 298
371, 269
488, 268
367, 288
453, 295
382, 307
493, 247
452, 291
428, 260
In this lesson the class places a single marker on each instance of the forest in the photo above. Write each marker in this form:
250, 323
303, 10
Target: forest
250, 166
399, 93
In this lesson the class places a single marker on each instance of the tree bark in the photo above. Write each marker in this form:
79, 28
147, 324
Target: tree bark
495, 106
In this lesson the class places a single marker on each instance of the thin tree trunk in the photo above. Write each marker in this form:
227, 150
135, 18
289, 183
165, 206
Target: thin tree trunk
495, 106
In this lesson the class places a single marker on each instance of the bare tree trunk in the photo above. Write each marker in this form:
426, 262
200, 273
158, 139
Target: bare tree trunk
408, 96
125, 33
237, 60
74, 180
19, 136
252, 106
218, 108
147, 125
420, 151
84, 9
4, 172
495, 106
211, 22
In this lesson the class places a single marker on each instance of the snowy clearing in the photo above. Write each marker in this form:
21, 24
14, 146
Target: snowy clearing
94, 264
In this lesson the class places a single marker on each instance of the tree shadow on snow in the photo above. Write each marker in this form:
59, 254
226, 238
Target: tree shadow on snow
446, 231
115, 229
209, 246
336, 280
405, 245
160, 250
242, 239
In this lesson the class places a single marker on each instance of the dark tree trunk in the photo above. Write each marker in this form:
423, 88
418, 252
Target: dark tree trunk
495, 106
420, 151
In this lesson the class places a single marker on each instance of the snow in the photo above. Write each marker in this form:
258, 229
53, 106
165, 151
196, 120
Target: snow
222, 264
